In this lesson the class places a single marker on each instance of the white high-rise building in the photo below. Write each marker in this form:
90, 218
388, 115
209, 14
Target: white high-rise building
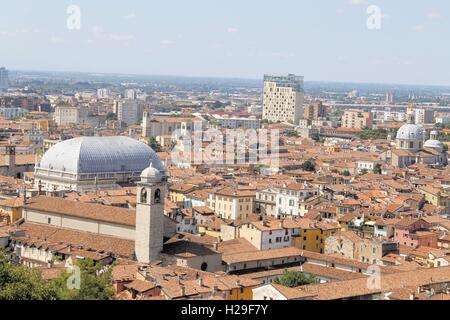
424, 116
130, 94
103, 93
283, 98
4, 79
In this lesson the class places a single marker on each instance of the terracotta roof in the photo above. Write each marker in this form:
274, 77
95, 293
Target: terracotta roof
12, 202
124, 272
350, 235
358, 287
236, 246
230, 258
140, 286
187, 249
29, 232
83, 210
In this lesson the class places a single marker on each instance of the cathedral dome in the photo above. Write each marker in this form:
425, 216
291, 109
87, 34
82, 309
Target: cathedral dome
410, 132
94, 155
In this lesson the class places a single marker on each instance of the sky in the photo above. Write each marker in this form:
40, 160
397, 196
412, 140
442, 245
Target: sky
323, 40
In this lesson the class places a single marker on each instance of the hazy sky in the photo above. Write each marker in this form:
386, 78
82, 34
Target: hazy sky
320, 39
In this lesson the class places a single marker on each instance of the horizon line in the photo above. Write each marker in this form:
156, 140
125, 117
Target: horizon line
227, 77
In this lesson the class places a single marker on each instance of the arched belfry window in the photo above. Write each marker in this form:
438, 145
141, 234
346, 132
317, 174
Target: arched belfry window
143, 195
157, 196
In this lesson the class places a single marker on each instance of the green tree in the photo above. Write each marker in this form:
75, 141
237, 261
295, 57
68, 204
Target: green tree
294, 279
93, 285
308, 166
154, 144
111, 116
291, 133
373, 134
18, 282
377, 169
346, 173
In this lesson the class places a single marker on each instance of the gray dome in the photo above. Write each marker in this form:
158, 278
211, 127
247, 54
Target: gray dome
100, 155
410, 132
434, 144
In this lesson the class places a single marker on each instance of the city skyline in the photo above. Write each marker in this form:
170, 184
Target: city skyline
172, 39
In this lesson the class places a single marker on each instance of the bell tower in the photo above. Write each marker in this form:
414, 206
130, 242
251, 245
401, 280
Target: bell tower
150, 195
146, 123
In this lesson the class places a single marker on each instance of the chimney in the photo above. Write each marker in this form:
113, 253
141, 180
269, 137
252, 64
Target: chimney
183, 290
200, 282
412, 296
216, 245
238, 283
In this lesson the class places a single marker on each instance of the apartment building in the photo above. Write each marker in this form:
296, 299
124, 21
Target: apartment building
237, 122
266, 201
290, 197
313, 234
128, 111
424, 116
67, 115
357, 119
314, 111
231, 203
155, 126
103, 93
283, 98
270, 234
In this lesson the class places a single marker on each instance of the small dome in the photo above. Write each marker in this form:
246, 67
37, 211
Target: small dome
410, 132
152, 174
434, 144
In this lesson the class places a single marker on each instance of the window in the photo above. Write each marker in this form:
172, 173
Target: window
204, 266
157, 196
49, 220
143, 195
